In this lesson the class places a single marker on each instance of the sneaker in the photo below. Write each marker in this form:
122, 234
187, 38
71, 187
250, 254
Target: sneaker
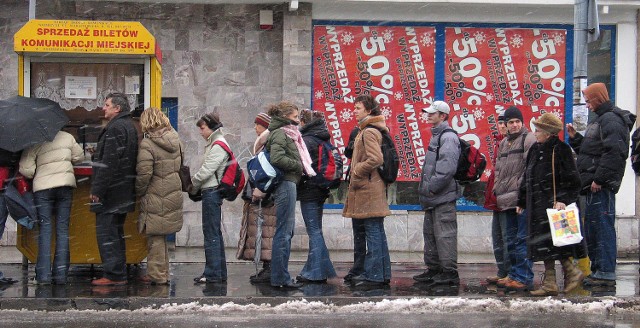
494, 279
426, 276
503, 281
108, 282
263, 276
446, 278
590, 281
204, 280
310, 281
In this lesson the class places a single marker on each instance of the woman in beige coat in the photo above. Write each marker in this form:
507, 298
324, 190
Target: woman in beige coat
366, 199
159, 188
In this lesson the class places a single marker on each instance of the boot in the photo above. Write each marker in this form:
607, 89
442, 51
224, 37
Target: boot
549, 286
572, 275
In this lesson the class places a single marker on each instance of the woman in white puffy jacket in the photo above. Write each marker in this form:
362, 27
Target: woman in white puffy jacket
50, 165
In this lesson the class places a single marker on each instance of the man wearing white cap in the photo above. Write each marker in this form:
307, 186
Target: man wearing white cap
438, 193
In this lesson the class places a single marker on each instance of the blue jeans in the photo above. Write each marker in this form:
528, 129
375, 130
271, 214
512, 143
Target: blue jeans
215, 268
600, 229
377, 263
285, 198
318, 264
521, 266
359, 247
499, 238
46, 201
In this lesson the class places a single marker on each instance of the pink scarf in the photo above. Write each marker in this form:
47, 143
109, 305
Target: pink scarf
292, 132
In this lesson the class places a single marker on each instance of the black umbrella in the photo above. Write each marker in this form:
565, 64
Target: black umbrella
29, 121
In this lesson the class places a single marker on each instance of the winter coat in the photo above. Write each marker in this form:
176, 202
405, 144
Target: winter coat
367, 193
603, 150
283, 151
536, 196
313, 135
158, 183
50, 164
215, 160
114, 166
437, 185
510, 167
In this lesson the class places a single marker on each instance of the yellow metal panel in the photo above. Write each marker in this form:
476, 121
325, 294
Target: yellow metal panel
20, 75
156, 83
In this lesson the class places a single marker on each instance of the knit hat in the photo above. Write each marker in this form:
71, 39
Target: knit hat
548, 123
596, 94
263, 119
438, 106
511, 113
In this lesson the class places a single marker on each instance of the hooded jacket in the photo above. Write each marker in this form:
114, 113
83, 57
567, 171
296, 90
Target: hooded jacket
437, 185
158, 183
313, 135
604, 148
50, 164
510, 166
283, 151
215, 160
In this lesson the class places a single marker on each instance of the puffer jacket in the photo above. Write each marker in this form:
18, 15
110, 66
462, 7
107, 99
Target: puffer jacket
215, 160
437, 185
313, 134
50, 164
283, 151
510, 167
367, 194
158, 183
603, 150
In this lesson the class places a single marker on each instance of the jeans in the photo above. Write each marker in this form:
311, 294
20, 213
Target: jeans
215, 268
600, 229
521, 265
46, 200
285, 198
111, 244
359, 247
440, 232
377, 262
318, 265
500, 249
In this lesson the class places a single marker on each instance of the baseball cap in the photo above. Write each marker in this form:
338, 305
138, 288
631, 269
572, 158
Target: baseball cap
438, 106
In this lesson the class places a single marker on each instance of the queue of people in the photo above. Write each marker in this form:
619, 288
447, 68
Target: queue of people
532, 172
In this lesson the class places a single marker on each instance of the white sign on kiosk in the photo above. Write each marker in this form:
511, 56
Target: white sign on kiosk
80, 87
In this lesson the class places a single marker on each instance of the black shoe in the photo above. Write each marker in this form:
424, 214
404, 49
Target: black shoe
263, 276
590, 281
289, 285
426, 276
349, 277
369, 283
446, 278
310, 281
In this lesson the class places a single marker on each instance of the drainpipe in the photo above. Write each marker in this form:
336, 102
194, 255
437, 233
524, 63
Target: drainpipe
585, 22
32, 9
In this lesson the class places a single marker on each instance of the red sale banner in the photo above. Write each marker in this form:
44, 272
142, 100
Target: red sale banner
490, 69
395, 64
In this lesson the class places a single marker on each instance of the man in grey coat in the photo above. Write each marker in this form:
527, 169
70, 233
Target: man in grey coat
438, 193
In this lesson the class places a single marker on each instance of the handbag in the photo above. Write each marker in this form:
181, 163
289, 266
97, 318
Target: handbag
185, 179
564, 224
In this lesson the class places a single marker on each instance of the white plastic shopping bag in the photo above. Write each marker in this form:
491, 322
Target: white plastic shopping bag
565, 225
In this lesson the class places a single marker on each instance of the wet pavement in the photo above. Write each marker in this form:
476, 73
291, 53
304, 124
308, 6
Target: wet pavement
186, 265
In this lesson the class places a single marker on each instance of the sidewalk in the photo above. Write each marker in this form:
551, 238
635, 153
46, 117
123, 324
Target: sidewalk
187, 264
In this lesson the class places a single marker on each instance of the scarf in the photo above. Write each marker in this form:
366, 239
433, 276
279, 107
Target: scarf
292, 132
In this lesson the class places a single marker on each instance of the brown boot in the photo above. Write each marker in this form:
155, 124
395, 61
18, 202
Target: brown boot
549, 286
572, 275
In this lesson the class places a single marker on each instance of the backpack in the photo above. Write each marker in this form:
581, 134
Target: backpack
389, 169
232, 182
471, 163
328, 166
262, 174
635, 151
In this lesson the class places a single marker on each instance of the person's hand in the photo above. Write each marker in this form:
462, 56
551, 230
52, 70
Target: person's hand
560, 206
571, 130
519, 210
257, 195
595, 187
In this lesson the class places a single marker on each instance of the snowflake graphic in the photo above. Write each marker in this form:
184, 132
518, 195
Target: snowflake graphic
516, 41
346, 115
480, 37
489, 97
319, 94
347, 38
557, 113
387, 36
427, 39
558, 38
423, 117
478, 114
398, 95
487, 173
386, 112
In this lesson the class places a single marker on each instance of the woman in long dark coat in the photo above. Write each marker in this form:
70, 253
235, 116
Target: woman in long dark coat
537, 195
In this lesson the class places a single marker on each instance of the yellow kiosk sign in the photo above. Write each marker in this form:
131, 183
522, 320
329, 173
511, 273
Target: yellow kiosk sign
96, 37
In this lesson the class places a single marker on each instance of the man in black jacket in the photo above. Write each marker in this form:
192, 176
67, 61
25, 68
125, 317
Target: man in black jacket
602, 154
8, 168
112, 187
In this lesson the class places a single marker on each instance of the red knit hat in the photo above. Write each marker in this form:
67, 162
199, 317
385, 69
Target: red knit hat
263, 119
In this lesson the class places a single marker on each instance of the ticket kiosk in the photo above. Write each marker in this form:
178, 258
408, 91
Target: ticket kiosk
77, 64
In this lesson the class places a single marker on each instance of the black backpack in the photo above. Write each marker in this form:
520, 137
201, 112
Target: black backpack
389, 170
635, 151
471, 163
